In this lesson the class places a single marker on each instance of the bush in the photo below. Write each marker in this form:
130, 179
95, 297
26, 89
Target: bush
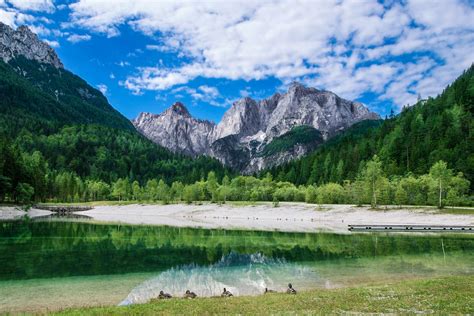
24, 193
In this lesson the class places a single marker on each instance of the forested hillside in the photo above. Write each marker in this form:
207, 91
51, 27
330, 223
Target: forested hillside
54, 126
436, 129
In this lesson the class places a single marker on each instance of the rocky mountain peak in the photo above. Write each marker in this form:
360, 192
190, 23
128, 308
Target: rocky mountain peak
297, 88
179, 109
24, 42
176, 130
248, 127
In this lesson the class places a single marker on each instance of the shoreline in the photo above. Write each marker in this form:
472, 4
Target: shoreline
262, 216
288, 217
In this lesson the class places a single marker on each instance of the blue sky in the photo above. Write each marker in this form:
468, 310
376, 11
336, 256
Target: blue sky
146, 55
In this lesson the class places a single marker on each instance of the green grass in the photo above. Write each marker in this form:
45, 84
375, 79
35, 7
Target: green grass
447, 295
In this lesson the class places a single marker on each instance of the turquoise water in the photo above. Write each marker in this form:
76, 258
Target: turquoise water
55, 264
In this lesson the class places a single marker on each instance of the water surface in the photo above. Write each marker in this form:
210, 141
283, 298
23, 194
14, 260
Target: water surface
53, 264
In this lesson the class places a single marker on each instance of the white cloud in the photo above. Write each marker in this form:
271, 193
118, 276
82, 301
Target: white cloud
204, 93
123, 63
53, 44
211, 92
158, 48
102, 88
75, 38
112, 76
244, 93
345, 46
33, 5
14, 18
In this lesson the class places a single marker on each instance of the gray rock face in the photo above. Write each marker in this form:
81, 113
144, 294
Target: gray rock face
176, 130
23, 41
249, 126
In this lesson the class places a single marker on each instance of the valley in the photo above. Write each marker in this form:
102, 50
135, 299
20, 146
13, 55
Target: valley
266, 195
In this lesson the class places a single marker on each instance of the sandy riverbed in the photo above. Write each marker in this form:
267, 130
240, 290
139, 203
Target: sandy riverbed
296, 217
293, 217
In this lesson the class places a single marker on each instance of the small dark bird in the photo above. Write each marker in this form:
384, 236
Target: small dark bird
189, 294
226, 293
290, 289
267, 291
164, 295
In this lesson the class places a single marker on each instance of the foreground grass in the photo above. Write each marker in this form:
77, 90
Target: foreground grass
447, 295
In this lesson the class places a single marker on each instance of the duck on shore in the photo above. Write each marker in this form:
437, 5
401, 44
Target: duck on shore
163, 295
189, 294
290, 289
267, 291
226, 293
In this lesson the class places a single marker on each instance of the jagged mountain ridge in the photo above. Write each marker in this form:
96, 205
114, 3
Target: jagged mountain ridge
249, 126
178, 130
23, 41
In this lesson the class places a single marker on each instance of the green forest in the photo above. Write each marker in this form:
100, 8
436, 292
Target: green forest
61, 141
440, 128
54, 125
440, 187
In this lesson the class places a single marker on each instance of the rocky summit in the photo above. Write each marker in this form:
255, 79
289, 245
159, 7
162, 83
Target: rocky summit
24, 42
177, 130
254, 135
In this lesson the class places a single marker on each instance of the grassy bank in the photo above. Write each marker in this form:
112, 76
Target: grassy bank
447, 295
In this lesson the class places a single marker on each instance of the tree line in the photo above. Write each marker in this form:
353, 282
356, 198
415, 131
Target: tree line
440, 187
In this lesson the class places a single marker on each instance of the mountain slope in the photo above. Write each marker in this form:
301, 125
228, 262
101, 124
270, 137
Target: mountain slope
36, 92
52, 123
436, 129
241, 138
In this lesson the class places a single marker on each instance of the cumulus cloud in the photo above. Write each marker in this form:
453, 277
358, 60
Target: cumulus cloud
75, 38
53, 44
204, 93
102, 88
33, 5
348, 47
14, 18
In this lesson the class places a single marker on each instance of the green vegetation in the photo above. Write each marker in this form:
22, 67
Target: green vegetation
57, 133
448, 295
50, 151
41, 99
408, 145
304, 135
371, 187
